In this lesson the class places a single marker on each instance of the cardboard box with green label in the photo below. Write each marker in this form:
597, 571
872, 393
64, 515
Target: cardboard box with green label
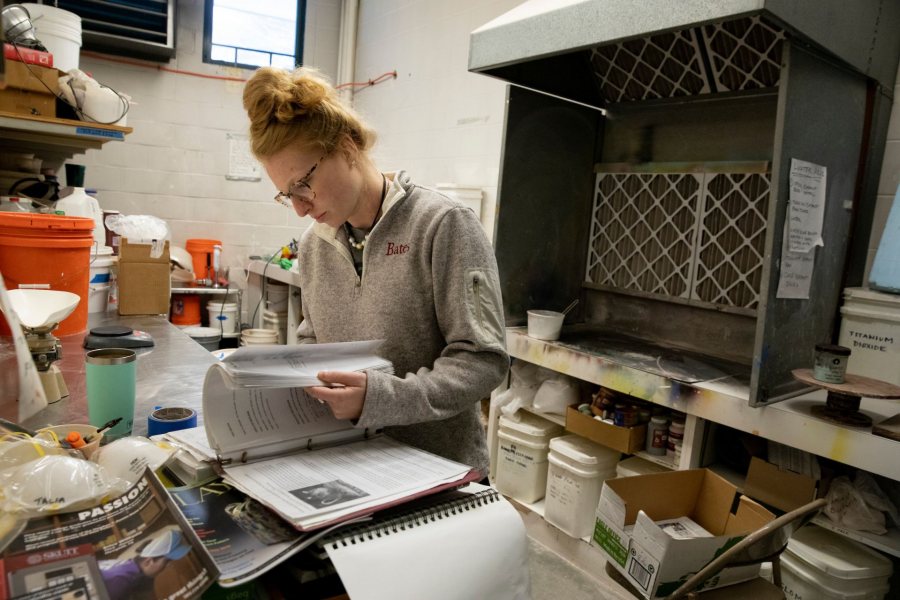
648, 528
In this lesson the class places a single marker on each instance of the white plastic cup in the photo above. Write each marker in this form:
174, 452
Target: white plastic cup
545, 324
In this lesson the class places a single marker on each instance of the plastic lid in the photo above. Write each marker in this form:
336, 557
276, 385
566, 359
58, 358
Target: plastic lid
833, 349
530, 424
41, 221
836, 555
204, 333
584, 451
676, 426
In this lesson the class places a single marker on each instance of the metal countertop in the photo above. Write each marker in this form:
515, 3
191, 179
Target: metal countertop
168, 374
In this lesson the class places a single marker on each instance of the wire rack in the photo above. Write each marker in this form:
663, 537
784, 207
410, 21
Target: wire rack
691, 236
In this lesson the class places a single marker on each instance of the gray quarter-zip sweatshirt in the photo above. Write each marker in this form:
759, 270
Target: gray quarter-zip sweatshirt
429, 287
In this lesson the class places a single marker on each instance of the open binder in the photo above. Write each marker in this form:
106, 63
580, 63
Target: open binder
288, 451
468, 543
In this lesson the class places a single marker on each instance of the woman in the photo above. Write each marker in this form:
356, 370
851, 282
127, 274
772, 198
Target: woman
386, 259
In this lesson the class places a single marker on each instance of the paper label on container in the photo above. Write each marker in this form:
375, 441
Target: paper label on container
806, 206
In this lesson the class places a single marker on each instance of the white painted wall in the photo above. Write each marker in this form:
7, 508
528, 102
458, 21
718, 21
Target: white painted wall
173, 165
436, 120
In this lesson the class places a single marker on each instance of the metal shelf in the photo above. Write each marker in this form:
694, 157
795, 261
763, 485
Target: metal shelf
725, 401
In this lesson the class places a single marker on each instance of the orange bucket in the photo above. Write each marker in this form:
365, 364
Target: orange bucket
201, 252
185, 309
49, 252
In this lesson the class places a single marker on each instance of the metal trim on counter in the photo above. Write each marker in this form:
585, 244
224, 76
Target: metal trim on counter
170, 374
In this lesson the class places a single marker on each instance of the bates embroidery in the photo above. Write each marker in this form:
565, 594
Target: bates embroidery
393, 248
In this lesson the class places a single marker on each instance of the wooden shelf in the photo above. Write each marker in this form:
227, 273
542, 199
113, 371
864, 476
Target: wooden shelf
54, 140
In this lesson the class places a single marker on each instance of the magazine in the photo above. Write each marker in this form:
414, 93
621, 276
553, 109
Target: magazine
244, 538
289, 452
136, 546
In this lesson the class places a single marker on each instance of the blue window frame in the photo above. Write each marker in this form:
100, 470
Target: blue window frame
245, 34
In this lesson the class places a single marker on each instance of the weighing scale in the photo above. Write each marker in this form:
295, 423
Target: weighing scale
117, 336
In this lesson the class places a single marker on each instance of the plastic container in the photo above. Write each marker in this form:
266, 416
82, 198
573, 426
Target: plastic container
250, 337
576, 472
522, 456
634, 466
657, 436
675, 437
870, 327
822, 565
14, 204
208, 337
276, 297
60, 31
85, 431
830, 364
184, 310
223, 316
545, 324
48, 252
102, 261
201, 252
77, 203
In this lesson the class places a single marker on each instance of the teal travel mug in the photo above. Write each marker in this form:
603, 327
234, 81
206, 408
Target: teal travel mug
110, 375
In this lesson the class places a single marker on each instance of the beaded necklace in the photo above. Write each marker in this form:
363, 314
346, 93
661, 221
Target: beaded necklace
362, 243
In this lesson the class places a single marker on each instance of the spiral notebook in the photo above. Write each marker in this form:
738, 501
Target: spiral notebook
468, 543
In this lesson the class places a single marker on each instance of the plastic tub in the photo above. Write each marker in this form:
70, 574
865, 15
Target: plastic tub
631, 467
223, 316
259, 336
545, 324
522, 456
819, 564
184, 310
48, 252
870, 327
577, 470
208, 337
59, 31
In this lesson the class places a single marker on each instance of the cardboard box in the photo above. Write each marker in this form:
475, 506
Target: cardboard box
656, 563
624, 439
27, 90
143, 281
777, 487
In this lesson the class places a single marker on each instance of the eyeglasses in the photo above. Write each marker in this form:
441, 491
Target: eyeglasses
299, 191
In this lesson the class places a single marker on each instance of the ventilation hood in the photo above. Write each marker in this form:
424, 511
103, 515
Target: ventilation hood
600, 52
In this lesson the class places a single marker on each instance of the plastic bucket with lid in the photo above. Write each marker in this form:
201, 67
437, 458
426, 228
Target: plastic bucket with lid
870, 327
208, 337
822, 565
48, 252
522, 456
201, 252
184, 309
577, 470
60, 31
223, 316
101, 261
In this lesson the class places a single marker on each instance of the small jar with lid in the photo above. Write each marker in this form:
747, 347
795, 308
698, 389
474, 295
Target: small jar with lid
831, 363
626, 415
675, 436
657, 435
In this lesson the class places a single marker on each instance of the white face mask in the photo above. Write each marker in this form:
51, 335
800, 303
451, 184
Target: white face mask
54, 483
126, 458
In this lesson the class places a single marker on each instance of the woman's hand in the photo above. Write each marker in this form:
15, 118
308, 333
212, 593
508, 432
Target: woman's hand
347, 398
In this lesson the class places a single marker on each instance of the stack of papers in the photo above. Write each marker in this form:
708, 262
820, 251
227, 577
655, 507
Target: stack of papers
297, 366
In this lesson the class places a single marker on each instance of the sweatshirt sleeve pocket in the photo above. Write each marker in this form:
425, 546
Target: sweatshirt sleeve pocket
484, 310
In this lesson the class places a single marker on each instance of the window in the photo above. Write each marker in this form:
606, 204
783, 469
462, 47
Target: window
254, 34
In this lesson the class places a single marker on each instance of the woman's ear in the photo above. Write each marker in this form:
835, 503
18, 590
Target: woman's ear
349, 150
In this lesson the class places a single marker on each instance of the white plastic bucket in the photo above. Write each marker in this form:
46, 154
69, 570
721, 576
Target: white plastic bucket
98, 298
277, 297
522, 456
631, 467
577, 470
207, 337
822, 565
250, 337
223, 316
870, 327
60, 31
